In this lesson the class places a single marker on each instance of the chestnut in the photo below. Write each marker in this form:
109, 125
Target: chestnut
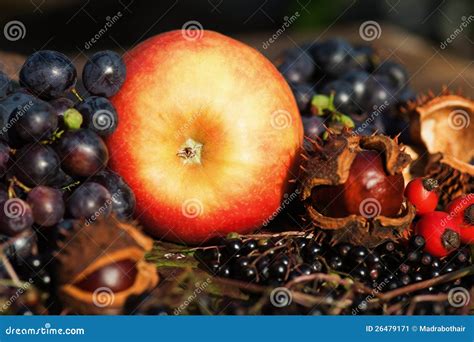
353, 186
100, 265
367, 179
117, 276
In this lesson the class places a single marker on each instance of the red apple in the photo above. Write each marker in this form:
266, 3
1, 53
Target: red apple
208, 138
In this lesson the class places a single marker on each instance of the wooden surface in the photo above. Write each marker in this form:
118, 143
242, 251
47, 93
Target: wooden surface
429, 66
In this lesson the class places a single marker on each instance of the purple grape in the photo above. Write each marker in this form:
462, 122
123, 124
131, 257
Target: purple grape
298, 66
358, 79
104, 73
303, 93
35, 122
36, 164
48, 74
313, 128
15, 216
6, 86
90, 201
395, 73
123, 198
380, 95
342, 91
47, 205
364, 55
82, 153
333, 57
19, 248
18, 102
4, 157
60, 105
99, 115
60, 180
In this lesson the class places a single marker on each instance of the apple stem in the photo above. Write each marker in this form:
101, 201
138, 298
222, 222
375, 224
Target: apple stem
190, 152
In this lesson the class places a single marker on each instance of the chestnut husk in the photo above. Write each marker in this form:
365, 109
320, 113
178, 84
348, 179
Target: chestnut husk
445, 149
88, 248
434, 120
330, 165
454, 177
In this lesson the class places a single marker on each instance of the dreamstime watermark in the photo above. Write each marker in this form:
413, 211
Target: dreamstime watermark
192, 30
281, 119
458, 297
110, 21
14, 208
20, 111
457, 209
370, 30
370, 208
281, 297
22, 289
364, 303
286, 201
288, 21
377, 110
103, 120
200, 287
103, 297
103, 208
459, 119
14, 30
192, 208
465, 21
46, 330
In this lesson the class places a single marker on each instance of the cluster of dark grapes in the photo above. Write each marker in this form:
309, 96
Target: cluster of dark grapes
53, 160
278, 261
364, 88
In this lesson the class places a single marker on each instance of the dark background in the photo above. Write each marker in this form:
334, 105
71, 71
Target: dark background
411, 32
66, 25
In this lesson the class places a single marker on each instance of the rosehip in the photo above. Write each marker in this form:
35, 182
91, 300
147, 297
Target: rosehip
461, 211
422, 193
441, 235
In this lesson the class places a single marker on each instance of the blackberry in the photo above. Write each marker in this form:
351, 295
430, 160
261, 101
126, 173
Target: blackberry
417, 242
317, 266
312, 251
335, 262
248, 273
278, 271
343, 249
233, 246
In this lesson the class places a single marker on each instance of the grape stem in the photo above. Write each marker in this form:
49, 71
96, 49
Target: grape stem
69, 186
55, 136
76, 94
11, 190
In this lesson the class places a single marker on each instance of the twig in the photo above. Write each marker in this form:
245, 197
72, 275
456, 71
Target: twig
426, 283
442, 297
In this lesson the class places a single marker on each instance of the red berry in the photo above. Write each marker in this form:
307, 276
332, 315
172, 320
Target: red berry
422, 193
441, 235
461, 210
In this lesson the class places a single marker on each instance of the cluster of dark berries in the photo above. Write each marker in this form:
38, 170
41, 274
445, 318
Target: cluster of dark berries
53, 160
366, 90
270, 261
278, 261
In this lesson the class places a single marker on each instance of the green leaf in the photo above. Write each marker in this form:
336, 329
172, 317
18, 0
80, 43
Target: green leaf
343, 119
319, 104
